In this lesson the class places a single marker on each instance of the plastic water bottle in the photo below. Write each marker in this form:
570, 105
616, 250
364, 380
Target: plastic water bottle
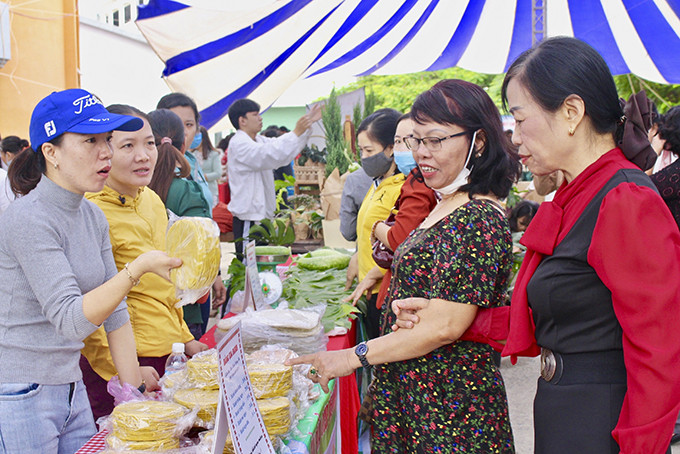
177, 361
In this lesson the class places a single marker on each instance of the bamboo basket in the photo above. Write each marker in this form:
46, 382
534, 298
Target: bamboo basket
311, 174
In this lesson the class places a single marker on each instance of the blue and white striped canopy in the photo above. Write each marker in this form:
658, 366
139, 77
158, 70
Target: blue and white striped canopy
219, 51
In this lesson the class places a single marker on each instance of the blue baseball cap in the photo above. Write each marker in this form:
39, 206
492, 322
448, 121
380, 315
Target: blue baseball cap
75, 110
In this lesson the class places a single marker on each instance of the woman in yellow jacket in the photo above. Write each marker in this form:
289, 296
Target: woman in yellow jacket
375, 140
137, 223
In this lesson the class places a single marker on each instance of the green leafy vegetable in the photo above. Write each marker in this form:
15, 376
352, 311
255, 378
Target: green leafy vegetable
308, 288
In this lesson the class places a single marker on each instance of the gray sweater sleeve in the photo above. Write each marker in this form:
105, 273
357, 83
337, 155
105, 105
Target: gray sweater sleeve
120, 315
348, 212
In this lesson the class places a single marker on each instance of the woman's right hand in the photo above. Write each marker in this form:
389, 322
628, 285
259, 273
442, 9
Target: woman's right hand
157, 262
406, 310
150, 377
364, 286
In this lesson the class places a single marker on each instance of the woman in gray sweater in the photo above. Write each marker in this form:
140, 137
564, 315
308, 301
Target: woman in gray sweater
58, 279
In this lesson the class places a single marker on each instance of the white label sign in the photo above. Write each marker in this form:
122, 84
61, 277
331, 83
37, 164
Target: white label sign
237, 408
253, 290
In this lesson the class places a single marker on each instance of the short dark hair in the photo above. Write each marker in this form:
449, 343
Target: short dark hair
461, 103
240, 108
559, 67
669, 130
179, 100
380, 126
271, 131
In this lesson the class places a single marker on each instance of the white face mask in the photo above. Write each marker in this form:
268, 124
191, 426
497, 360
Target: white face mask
462, 178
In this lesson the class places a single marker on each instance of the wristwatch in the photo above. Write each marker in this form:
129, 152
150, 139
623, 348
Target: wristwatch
361, 350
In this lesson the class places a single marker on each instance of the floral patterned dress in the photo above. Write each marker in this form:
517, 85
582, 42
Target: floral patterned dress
451, 400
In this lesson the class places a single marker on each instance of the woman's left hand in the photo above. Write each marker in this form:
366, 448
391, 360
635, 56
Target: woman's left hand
193, 346
326, 365
150, 377
406, 310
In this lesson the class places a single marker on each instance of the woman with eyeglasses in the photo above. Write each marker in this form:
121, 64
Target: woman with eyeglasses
433, 392
414, 203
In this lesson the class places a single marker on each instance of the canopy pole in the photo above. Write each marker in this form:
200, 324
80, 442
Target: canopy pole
538, 23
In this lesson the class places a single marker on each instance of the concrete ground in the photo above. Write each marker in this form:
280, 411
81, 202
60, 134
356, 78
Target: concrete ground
520, 382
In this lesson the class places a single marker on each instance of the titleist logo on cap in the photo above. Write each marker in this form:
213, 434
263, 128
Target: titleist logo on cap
84, 102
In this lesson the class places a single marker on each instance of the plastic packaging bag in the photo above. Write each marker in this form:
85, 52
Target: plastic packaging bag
147, 425
197, 242
204, 401
296, 329
123, 393
203, 370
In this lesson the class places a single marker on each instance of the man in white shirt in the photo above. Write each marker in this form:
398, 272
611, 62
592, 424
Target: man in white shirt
251, 160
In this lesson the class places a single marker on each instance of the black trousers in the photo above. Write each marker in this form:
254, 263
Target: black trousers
241, 229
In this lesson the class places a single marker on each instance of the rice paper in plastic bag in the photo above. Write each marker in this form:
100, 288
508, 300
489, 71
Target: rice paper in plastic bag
197, 242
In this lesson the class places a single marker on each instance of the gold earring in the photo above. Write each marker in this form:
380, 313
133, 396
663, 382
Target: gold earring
571, 131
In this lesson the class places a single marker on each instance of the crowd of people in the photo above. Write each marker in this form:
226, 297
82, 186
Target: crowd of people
86, 292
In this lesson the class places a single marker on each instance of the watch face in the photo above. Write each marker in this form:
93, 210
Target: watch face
361, 349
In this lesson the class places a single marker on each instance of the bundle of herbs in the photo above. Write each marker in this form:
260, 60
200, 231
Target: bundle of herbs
308, 288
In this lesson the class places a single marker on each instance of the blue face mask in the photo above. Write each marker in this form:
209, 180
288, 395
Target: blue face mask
197, 140
405, 161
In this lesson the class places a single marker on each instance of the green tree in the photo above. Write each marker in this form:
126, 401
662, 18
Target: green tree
664, 96
335, 142
399, 91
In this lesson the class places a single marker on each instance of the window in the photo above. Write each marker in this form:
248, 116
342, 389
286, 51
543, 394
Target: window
128, 13
116, 18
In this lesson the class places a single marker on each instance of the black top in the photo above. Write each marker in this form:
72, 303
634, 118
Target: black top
667, 181
572, 308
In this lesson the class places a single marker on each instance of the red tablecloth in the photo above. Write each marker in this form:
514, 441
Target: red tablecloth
347, 387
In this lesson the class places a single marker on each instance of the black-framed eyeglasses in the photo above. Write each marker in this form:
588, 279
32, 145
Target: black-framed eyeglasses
431, 143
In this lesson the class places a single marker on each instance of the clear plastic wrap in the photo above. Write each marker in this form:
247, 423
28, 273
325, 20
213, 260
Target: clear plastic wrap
197, 242
270, 379
171, 383
296, 329
203, 400
302, 390
147, 425
203, 370
276, 414
207, 438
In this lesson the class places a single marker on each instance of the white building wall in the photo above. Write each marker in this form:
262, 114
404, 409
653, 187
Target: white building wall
119, 66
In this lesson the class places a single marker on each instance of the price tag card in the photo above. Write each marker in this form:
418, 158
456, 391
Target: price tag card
237, 409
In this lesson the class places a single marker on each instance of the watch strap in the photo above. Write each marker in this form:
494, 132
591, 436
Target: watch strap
362, 357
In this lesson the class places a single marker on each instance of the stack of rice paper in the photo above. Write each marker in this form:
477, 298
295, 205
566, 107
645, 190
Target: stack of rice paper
147, 425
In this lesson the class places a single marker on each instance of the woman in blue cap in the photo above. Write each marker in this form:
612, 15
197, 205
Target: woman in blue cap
59, 280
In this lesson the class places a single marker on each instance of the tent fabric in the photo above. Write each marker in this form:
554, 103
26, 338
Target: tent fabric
218, 51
